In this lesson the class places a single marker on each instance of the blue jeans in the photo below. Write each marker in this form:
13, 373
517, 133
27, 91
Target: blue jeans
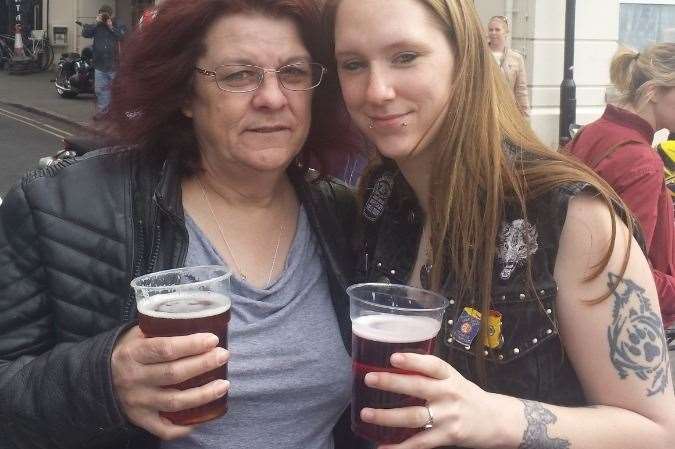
102, 82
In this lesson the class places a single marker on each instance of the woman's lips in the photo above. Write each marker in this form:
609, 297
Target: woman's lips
388, 121
268, 129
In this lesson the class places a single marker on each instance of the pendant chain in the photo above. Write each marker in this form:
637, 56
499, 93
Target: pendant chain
227, 244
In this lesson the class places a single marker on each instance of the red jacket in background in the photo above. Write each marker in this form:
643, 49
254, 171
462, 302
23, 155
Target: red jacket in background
635, 171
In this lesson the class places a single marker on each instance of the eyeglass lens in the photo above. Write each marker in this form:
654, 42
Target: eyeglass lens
243, 78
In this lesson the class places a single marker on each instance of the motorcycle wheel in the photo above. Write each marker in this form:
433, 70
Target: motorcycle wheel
62, 85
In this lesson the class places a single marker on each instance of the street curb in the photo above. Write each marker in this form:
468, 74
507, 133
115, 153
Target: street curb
47, 114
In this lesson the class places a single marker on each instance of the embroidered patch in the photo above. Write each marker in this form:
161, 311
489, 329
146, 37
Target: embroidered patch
467, 327
379, 195
517, 240
468, 324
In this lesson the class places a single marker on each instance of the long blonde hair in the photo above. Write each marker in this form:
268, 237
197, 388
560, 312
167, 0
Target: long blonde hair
635, 74
473, 179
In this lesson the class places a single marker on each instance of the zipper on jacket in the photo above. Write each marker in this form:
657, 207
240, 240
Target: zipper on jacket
155, 248
140, 246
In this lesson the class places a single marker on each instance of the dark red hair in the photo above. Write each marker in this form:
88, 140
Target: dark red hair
154, 78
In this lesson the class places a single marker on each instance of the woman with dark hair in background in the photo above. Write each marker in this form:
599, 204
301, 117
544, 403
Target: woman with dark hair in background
213, 101
618, 147
553, 336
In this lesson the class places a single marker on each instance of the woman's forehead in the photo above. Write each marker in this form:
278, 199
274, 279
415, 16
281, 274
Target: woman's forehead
254, 38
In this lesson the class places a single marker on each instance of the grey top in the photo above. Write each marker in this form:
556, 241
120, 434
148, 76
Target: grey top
290, 373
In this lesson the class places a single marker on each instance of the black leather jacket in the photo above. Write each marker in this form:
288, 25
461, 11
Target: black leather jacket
71, 239
530, 363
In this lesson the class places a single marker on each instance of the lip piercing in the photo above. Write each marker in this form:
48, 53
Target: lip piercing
404, 124
371, 125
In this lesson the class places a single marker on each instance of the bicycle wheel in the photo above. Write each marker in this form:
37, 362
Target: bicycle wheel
50, 52
44, 56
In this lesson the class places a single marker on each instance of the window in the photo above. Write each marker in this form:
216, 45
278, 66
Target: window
642, 24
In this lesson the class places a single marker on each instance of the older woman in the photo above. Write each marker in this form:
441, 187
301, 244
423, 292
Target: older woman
510, 62
216, 97
553, 336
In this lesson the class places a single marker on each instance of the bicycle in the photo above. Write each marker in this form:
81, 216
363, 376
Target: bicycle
6, 52
37, 47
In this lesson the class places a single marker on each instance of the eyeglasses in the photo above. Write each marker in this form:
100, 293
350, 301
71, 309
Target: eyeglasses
240, 78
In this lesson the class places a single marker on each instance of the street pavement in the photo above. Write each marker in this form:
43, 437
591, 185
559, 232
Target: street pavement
24, 138
35, 93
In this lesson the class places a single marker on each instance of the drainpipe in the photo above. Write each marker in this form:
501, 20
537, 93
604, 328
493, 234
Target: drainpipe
568, 89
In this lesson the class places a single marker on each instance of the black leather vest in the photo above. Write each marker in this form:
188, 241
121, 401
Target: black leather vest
530, 363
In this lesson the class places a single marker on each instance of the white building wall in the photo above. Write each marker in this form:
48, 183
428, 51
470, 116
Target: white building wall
538, 32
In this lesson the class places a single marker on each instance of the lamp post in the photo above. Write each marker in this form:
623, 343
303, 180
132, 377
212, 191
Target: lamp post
568, 89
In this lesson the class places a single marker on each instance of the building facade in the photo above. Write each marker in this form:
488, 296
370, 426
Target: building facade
58, 17
538, 31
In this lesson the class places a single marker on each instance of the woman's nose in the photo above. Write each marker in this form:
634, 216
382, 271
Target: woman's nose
270, 94
380, 87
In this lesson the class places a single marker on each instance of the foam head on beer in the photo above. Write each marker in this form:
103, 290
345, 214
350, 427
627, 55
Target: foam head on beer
395, 328
184, 306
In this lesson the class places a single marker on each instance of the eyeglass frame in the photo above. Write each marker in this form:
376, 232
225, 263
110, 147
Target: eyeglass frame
261, 80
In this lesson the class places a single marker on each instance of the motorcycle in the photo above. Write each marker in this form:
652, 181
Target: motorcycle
75, 73
74, 146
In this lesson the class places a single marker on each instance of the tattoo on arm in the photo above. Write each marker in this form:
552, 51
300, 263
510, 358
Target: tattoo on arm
536, 434
637, 342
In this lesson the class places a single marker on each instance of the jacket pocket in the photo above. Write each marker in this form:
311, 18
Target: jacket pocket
528, 320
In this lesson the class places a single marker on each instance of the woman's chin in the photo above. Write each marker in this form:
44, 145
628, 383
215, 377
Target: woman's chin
267, 162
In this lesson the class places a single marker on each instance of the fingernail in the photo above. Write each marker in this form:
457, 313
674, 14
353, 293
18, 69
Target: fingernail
221, 387
222, 355
211, 340
397, 358
367, 414
371, 378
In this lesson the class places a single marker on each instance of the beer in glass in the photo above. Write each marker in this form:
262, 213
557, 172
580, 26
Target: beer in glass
386, 319
181, 302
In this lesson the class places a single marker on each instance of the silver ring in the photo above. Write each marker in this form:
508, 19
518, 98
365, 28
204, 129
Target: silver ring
430, 422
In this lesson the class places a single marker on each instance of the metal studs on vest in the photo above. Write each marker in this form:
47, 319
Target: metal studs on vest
535, 341
393, 272
549, 331
516, 351
522, 296
548, 311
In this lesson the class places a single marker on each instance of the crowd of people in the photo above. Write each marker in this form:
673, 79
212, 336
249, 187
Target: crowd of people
226, 128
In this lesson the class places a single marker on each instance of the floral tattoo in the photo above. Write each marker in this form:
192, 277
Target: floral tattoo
637, 344
536, 434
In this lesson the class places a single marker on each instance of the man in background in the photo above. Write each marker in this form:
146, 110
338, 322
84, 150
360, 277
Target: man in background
107, 36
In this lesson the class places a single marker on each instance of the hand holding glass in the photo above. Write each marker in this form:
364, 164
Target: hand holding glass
187, 301
388, 318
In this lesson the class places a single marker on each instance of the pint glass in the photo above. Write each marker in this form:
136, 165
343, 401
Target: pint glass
388, 318
187, 301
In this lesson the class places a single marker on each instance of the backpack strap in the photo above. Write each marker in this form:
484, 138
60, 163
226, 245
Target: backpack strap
609, 151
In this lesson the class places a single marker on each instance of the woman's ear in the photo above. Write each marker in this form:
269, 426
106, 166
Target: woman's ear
653, 94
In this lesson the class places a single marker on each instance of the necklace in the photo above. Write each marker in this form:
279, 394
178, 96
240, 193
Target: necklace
227, 244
